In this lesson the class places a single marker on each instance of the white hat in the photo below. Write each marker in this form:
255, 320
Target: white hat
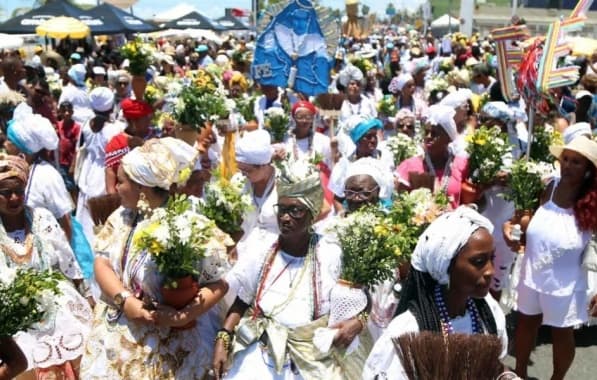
254, 148
457, 98
101, 99
444, 117
348, 74
580, 144
575, 130
99, 70
374, 168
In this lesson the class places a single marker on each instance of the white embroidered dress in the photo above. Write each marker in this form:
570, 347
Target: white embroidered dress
64, 335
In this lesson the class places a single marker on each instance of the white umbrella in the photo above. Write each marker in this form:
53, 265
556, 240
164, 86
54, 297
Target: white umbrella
445, 21
9, 41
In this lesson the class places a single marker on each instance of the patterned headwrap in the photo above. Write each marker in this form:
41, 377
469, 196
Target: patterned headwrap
304, 104
135, 109
300, 180
17, 168
357, 126
160, 163
398, 83
238, 78
444, 239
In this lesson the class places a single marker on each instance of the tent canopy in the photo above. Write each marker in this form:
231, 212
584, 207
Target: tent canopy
232, 23
118, 21
26, 23
445, 21
193, 20
63, 27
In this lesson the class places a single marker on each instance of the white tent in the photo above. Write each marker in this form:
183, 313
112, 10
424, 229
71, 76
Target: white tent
445, 21
178, 11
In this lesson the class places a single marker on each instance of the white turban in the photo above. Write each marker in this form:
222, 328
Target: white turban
101, 99
373, 167
159, 163
457, 98
254, 148
398, 83
348, 74
444, 239
576, 130
444, 117
32, 133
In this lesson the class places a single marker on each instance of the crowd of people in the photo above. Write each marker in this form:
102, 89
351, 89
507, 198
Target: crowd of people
73, 131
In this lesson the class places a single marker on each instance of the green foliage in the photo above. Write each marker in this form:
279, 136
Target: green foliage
196, 107
486, 148
26, 300
525, 184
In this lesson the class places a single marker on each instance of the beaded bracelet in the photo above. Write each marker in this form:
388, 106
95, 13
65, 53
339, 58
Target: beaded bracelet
226, 337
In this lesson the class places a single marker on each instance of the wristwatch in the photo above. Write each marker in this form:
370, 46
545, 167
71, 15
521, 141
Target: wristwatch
120, 298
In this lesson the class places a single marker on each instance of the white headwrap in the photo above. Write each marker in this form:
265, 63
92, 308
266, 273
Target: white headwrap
373, 167
101, 99
350, 73
575, 130
254, 148
444, 117
398, 83
457, 98
32, 133
444, 239
160, 163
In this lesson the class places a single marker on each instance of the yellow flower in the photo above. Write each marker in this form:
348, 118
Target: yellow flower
397, 251
380, 230
480, 141
155, 248
184, 175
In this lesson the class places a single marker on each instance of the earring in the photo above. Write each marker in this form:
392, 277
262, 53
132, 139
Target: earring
587, 174
142, 204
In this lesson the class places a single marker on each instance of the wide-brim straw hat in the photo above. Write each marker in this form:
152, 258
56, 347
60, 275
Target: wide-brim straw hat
581, 144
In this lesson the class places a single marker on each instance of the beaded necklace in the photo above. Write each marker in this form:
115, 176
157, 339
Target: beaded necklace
446, 323
295, 150
310, 261
443, 185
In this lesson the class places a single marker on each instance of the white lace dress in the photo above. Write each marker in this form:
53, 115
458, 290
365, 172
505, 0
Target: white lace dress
121, 349
63, 337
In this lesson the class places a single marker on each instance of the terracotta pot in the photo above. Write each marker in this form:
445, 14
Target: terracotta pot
469, 193
403, 270
181, 296
186, 133
138, 84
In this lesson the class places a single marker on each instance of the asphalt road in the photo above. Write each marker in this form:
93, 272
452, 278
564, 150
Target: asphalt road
585, 361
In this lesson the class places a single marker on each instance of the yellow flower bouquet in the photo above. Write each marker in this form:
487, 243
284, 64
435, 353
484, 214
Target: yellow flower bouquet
138, 54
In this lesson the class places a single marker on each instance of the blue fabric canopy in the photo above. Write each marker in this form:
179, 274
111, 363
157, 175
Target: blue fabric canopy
118, 21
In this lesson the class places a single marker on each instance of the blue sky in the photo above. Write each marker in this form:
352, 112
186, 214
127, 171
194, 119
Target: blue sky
214, 9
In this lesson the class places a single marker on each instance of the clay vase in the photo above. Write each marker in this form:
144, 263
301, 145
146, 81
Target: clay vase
204, 138
186, 133
403, 270
181, 296
138, 84
469, 193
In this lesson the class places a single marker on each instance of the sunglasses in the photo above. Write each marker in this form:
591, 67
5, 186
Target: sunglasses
6, 193
361, 194
295, 212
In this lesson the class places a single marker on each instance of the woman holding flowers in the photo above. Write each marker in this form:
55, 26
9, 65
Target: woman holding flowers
286, 281
135, 335
553, 285
438, 169
30, 237
446, 291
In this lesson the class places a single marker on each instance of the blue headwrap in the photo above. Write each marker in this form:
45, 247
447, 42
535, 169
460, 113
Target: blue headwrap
14, 138
363, 127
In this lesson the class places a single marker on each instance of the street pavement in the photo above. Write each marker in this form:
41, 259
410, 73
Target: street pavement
585, 361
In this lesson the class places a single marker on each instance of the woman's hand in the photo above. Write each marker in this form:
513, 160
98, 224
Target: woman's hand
593, 306
347, 331
514, 245
167, 316
133, 309
279, 153
219, 360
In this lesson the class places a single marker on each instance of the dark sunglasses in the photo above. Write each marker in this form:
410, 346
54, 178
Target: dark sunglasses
295, 212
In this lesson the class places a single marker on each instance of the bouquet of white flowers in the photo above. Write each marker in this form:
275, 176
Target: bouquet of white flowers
177, 238
402, 147
225, 202
276, 123
27, 298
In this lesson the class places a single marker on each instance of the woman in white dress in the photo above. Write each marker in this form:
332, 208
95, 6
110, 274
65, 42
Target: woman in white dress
31, 238
287, 281
553, 285
95, 134
446, 290
134, 335
351, 78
